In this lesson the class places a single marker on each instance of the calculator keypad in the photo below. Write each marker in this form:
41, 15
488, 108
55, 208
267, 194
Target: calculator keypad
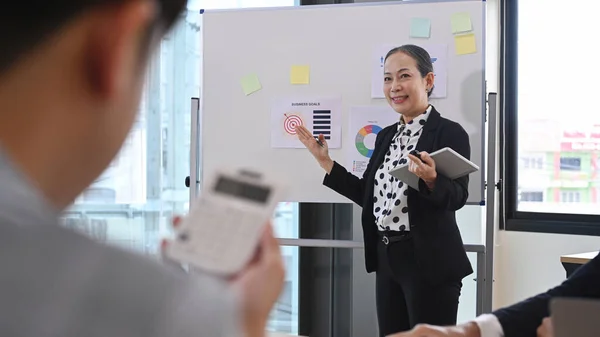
222, 239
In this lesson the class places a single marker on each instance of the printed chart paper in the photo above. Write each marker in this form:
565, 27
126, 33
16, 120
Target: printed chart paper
320, 115
439, 58
365, 122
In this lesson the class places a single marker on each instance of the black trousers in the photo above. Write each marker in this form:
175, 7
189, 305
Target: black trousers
403, 297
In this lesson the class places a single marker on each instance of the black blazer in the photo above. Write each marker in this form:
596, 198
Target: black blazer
438, 245
523, 318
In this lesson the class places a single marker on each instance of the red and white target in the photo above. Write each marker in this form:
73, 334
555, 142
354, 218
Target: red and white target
291, 122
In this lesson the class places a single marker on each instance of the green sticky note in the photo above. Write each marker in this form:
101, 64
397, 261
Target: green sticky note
250, 84
465, 44
461, 23
420, 27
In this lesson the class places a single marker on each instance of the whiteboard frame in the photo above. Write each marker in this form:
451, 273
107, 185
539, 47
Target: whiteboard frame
484, 110
377, 3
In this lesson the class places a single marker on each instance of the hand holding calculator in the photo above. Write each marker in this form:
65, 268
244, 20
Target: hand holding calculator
225, 224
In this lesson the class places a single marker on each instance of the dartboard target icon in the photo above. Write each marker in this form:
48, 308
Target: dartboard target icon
290, 123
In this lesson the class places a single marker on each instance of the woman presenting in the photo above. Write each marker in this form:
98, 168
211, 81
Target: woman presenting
411, 238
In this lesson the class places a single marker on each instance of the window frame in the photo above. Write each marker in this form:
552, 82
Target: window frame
511, 219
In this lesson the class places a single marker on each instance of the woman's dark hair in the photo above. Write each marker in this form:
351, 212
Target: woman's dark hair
420, 55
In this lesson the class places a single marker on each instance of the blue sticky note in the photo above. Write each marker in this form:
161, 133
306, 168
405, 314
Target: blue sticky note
420, 27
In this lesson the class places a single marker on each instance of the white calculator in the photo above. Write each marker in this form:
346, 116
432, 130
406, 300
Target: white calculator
224, 226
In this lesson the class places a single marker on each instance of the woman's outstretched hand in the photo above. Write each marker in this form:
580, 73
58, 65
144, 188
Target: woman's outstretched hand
320, 152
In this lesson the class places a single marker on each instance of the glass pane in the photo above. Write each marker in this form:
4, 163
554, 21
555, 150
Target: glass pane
132, 202
558, 134
133, 230
285, 220
467, 306
284, 317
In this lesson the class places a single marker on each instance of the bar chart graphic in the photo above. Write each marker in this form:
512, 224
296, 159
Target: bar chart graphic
322, 123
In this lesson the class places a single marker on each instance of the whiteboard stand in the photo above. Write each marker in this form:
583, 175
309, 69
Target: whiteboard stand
490, 203
193, 179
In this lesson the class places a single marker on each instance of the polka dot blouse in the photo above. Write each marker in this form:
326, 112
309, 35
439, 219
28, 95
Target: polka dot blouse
390, 202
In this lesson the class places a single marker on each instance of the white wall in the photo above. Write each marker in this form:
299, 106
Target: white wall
529, 263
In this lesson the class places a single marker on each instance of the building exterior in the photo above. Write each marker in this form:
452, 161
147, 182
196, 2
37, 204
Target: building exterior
559, 166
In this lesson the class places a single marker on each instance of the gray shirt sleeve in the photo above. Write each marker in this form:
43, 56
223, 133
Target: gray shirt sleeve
203, 307
55, 282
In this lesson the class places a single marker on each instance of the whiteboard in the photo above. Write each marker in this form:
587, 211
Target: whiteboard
338, 43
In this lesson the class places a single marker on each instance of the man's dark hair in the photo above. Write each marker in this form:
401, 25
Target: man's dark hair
26, 23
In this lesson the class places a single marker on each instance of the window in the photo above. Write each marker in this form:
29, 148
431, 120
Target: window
570, 196
101, 195
551, 145
570, 164
531, 196
533, 163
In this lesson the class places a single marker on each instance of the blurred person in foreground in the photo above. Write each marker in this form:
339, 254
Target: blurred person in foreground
71, 76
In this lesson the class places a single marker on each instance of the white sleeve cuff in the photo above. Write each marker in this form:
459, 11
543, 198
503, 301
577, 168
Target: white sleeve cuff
489, 326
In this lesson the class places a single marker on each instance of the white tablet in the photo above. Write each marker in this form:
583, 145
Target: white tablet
448, 162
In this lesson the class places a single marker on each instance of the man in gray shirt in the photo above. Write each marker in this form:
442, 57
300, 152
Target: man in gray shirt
71, 73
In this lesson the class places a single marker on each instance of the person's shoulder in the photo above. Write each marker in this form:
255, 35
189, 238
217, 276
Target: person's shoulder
384, 132
102, 284
390, 128
75, 253
447, 122
451, 126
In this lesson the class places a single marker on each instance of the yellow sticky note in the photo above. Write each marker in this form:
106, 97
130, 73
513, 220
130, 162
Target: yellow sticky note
300, 75
250, 84
465, 44
461, 23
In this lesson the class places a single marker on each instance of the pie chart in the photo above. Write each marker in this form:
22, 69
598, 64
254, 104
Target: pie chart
360, 139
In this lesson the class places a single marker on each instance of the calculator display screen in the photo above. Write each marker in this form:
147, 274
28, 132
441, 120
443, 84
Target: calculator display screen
242, 189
